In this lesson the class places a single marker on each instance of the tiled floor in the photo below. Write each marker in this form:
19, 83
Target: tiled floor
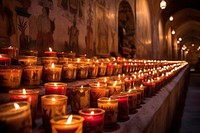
188, 116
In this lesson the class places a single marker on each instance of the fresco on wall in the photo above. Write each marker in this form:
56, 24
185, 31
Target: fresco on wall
6, 25
89, 36
102, 30
73, 37
126, 30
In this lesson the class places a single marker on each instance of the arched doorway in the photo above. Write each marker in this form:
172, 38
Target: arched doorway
126, 30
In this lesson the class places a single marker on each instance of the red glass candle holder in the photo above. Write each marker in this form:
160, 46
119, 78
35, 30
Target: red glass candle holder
132, 101
5, 60
109, 69
123, 107
13, 52
55, 88
29, 95
93, 120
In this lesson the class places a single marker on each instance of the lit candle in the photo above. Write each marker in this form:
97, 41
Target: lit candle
150, 87
109, 70
80, 98
10, 77
52, 105
31, 75
52, 72
69, 72
102, 69
115, 88
93, 120
29, 95
49, 60
27, 60
110, 106
115, 69
55, 88
92, 70
82, 71
13, 52
50, 53
67, 124
132, 101
138, 94
123, 107
15, 117
97, 90
5, 60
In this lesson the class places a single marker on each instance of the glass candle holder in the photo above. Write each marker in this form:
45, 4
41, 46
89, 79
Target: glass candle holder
96, 91
5, 60
55, 88
52, 73
93, 120
15, 117
110, 106
31, 75
29, 95
27, 60
123, 107
132, 101
69, 72
80, 98
82, 71
49, 60
109, 69
120, 68
13, 52
92, 70
102, 69
150, 88
115, 69
64, 60
67, 124
114, 88
52, 105
10, 77
125, 68
139, 96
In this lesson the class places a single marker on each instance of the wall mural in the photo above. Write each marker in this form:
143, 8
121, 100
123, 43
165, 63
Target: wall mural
102, 29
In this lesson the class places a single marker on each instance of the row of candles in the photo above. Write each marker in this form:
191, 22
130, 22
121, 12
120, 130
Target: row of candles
96, 108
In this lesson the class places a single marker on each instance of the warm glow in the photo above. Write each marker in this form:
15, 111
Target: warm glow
192, 45
78, 60
55, 84
10, 47
163, 4
134, 88
173, 32
105, 79
98, 84
148, 81
180, 39
24, 91
178, 42
0, 56
50, 49
92, 113
52, 65
171, 18
141, 85
53, 99
115, 83
69, 120
16, 106
81, 86
129, 90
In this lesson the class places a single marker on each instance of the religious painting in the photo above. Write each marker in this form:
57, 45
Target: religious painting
102, 31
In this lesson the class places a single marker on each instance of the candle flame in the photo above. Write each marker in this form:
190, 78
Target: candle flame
148, 81
16, 106
69, 120
105, 79
0, 56
115, 83
10, 47
92, 113
52, 65
129, 90
53, 99
141, 85
81, 86
55, 84
78, 60
119, 76
134, 88
98, 84
24, 91
50, 49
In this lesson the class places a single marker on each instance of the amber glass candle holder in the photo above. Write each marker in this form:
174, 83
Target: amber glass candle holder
52, 105
64, 60
10, 77
92, 70
27, 60
69, 72
80, 98
102, 69
52, 73
31, 75
49, 60
110, 106
82, 71
93, 120
15, 117
67, 124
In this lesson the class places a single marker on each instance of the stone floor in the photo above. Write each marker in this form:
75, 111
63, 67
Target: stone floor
187, 119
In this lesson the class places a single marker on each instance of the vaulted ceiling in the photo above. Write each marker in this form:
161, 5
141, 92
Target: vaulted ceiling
186, 21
